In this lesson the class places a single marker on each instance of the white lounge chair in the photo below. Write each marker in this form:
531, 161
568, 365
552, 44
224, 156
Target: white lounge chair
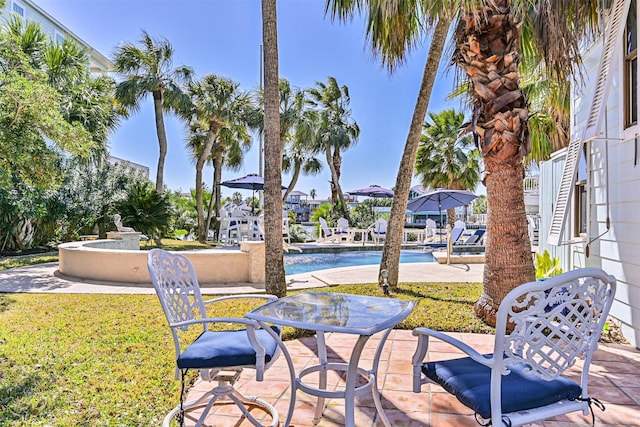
334, 235
378, 230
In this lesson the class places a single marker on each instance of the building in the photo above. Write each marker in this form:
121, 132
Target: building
141, 169
590, 191
28, 10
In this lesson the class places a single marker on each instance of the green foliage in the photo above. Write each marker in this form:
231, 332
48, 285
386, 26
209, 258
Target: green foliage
479, 205
183, 209
298, 234
145, 210
546, 266
444, 159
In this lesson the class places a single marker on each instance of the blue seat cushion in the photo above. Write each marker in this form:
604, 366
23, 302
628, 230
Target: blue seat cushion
470, 382
225, 349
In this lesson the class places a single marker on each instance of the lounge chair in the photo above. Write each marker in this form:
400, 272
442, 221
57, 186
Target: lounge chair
431, 229
331, 235
473, 240
378, 230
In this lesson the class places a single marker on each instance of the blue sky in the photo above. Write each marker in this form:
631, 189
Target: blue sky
224, 37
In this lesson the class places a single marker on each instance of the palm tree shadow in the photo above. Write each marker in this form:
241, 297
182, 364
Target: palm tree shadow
422, 296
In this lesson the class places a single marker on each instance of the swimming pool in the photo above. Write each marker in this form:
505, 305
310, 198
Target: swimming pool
295, 263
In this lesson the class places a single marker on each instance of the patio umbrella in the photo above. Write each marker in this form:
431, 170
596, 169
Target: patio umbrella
441, 199
374, 191
251, 182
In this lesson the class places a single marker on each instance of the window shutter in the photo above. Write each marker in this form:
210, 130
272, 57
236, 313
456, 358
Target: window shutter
613, 42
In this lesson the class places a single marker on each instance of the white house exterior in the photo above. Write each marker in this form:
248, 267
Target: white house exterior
597, 178
28, 10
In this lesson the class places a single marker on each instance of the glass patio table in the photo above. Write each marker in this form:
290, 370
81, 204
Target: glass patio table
341, 313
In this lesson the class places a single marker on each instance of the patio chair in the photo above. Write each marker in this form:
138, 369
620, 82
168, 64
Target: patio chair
378, 230
331, 235
219, 355
473, 240
543, 328
431, 229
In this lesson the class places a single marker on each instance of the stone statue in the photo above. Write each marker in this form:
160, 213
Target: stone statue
117, 219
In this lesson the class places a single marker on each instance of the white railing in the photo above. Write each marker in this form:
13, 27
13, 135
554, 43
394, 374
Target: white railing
530, 184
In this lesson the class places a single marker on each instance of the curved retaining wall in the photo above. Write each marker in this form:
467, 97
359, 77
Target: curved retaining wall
102, 260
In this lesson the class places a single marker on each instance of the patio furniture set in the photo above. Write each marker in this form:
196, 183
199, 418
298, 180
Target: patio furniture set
543, 328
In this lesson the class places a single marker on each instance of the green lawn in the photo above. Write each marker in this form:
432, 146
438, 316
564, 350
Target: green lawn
108, 360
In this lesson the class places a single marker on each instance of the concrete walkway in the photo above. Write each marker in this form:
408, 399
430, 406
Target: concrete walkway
45, 278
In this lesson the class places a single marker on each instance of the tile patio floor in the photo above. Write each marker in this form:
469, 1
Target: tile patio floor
615, 380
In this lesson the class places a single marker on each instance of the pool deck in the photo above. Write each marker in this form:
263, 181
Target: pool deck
45, 278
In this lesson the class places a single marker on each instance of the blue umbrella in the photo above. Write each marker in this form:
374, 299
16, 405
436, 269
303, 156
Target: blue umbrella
251, 182
373, 191
441, 199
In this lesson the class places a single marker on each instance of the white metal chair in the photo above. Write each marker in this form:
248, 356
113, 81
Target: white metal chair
542, 329
219, 355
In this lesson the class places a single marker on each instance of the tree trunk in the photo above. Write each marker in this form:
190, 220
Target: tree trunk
274, 264
162, 140
486, 43
202, 160
294, 179
212, 202
393, 243
335, 184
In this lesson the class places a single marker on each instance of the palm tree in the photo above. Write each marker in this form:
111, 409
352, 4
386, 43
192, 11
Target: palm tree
488, 40
392, 33
445, 160
337, 131
219, 114
297, 133
274, 264
148, 69
313, 193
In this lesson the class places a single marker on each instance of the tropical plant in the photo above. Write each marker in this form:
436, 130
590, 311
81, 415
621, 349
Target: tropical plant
84, 100
547, 266
219, 114
337, 131
146, 211
274, 263
491, 38
479, 205
393, 30
33, 129
147, 69
444, 159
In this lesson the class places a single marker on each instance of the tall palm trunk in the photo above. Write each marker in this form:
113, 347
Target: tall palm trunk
486, 43
162, 139
202, 160
216, 193
393, 243
212, 201
274, 264
336, 189
297, 166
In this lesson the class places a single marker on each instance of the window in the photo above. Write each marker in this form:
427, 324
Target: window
18, 9
59, 38
631, 68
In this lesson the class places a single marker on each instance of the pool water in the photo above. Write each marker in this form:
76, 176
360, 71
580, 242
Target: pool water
295, 263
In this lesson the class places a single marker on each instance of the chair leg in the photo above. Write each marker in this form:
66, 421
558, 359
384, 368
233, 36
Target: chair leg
224, 390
